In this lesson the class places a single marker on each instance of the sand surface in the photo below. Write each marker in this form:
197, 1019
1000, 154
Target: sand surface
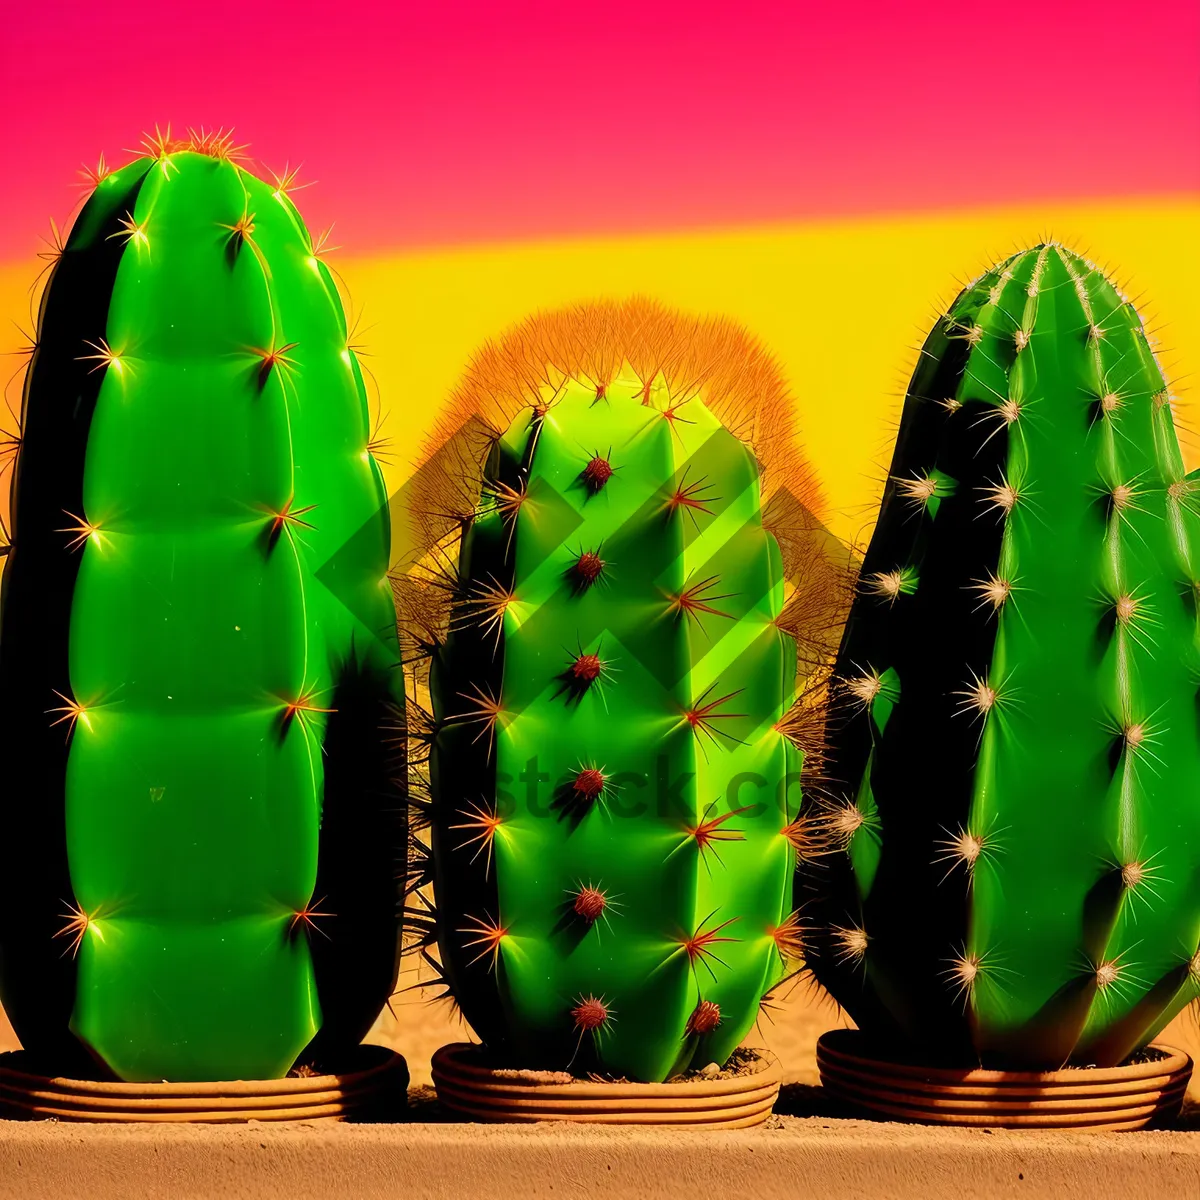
792, 1157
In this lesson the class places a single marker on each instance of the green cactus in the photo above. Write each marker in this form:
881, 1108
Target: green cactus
1016, 726
197, 654
615, 763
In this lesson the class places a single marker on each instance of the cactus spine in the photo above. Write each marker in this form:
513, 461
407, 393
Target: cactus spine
1016, 732
615, 761
197, 655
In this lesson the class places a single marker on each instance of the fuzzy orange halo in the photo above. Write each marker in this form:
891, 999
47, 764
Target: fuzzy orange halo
711, 360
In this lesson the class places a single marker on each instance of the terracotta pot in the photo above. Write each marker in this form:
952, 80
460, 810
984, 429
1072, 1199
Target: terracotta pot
375, 1085
469, 1088
1128, 1097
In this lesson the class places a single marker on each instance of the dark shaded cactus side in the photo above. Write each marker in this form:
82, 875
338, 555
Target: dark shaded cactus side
198, 663
1015, 876
615, 736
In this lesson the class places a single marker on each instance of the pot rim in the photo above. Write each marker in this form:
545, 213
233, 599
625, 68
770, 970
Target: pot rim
18, 1082
827, 1047
452, 1063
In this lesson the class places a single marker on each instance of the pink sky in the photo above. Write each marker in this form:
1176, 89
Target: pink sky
449, 122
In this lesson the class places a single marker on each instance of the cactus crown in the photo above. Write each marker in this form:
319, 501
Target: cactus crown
1015, 737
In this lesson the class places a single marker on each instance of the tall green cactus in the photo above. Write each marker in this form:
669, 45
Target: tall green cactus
1017, 734
615, 769
197, 654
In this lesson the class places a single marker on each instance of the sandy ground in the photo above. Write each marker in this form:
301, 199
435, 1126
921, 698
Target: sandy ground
819, 1157
416, 1027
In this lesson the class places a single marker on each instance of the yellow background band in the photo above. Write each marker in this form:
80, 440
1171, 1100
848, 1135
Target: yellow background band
842, 304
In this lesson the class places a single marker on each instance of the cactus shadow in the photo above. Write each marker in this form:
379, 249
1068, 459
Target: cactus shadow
1188, 598
233, 248
1127, 1033
364, 831
1106, 630
812, 1100
569, 926
1101, 906
283, 724
1104, 509
569, 805
571, 687
269, 536
1112, 756
1050, 1034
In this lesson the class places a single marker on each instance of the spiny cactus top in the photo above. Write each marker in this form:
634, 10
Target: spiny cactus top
1018, 730
615, 769
197, 655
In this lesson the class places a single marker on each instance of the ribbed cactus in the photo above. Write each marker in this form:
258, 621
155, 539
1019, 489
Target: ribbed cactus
616, 759
197, 657
1016, 730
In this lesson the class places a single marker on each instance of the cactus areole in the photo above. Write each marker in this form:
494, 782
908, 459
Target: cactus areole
1015, 730
197, 657
613, 772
